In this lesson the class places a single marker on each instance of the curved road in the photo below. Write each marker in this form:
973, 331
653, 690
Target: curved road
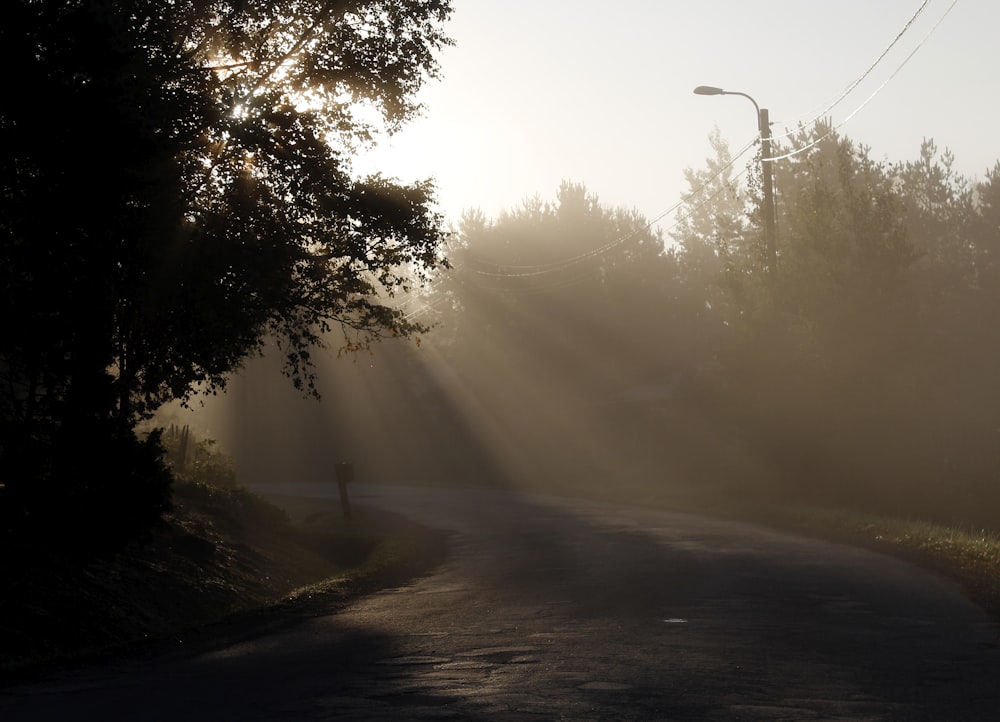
554, 609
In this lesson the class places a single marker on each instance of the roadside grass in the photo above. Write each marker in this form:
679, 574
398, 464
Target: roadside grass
968, 555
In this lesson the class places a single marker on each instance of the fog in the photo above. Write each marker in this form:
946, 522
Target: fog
571, 348
567, 352
539, 402
404, 414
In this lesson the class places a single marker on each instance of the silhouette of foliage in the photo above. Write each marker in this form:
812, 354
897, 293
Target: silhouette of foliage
176, 189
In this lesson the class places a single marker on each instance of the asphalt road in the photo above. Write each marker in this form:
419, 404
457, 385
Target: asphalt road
551, 609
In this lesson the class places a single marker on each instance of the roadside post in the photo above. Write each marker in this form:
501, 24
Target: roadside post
345, 474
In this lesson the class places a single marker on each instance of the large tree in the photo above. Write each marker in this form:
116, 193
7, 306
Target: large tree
176, 189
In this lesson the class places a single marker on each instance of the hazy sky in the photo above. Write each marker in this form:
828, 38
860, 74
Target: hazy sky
538, 91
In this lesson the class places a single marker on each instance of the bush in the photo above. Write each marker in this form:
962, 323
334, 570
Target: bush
99, 489
197, 460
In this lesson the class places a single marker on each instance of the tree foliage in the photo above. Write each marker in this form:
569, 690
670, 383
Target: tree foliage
844, 244
176, 189
860, 366
583, 271
559, 318
714, 231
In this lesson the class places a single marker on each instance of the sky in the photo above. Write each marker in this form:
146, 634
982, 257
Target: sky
535, 92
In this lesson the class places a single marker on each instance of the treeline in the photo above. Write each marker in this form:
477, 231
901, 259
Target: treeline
864, 363
860, 370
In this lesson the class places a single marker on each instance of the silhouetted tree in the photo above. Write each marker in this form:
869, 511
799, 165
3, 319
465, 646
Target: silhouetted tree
568, 277
986, 233
953, 416
176, 188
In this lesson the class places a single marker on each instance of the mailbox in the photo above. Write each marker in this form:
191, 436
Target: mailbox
345, 472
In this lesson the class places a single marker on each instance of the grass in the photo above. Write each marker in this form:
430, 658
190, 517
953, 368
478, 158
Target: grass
222, 558
969, 556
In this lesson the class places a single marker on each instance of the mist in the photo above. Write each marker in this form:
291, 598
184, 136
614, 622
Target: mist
571, 348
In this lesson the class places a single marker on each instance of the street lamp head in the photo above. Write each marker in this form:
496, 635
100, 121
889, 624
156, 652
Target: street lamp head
766, 160
712, 90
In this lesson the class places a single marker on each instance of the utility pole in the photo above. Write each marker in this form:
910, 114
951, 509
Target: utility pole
770, 231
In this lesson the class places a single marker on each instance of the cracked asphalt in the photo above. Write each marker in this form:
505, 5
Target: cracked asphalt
565, 609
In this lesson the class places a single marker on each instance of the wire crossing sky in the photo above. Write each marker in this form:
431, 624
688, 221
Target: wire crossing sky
538, 91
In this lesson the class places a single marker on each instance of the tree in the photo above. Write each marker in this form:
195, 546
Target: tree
591, 272
714, 232
954, 416
861, 370
987, 231
845, 247
803, 335
176, 190
558, 323
940, 210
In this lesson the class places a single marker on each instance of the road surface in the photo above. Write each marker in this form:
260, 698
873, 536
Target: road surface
552, 609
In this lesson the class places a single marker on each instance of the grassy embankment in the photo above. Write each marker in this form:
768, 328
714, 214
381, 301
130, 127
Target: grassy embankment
221, 558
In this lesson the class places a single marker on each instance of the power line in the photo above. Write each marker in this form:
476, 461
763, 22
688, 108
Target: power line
867, 100
857, 81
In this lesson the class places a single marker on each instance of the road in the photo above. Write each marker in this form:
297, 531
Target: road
552, 609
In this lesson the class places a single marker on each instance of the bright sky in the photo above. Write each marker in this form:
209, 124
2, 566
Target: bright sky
538, 91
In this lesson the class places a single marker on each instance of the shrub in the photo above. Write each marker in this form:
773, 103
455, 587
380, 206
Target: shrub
101, 489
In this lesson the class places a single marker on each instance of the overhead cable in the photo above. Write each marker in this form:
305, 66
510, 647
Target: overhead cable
867, 100
857, 81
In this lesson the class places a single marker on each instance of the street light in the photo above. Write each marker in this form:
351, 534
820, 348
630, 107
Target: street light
764, 127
